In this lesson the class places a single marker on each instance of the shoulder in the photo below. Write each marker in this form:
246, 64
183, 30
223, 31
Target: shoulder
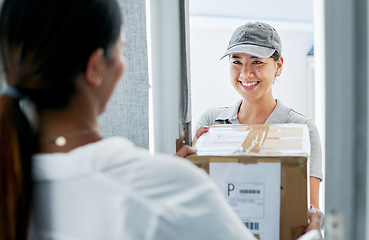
163, 166
162, 173
209, 117
113, 151
159, 178
171, 174
285, 114
296, 117
213, 113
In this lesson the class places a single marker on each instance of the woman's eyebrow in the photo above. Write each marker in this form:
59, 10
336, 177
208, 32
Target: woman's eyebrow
238, 57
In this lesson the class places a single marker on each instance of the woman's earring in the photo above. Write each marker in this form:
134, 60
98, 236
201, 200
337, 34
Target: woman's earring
99, 79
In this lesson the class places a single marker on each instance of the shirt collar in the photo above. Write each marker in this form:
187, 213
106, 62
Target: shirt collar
230, 113
83, 160
279, 114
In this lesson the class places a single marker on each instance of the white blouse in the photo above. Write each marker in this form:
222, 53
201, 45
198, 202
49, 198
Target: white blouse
111, 189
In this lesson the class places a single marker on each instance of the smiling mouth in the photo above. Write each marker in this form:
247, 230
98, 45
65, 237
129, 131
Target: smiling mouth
249, 84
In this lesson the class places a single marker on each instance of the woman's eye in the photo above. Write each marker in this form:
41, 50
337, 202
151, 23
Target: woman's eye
236, 62
257, 62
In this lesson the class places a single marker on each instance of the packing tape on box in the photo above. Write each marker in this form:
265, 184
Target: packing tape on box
255, 139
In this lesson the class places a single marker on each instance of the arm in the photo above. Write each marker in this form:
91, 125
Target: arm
314, 191
199, 132
206, 119
185, 151
313, 229
315, 164
315, 217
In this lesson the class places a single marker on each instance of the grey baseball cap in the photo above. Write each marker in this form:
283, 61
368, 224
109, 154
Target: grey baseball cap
254, 38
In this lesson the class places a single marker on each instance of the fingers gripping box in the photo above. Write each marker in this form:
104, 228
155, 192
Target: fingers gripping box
262, 171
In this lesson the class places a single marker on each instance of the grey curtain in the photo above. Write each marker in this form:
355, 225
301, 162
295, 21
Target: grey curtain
127, 114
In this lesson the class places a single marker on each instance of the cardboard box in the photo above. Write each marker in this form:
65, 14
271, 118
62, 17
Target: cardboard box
286, 144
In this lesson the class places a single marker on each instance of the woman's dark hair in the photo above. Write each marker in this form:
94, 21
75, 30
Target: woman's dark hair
44, 45
276, 56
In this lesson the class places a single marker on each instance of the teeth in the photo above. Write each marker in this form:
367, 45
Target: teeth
249, 84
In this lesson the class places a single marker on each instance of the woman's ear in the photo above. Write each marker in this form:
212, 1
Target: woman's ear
279, 66
94, 68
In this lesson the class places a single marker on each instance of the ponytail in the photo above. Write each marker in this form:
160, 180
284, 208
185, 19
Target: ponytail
17, 144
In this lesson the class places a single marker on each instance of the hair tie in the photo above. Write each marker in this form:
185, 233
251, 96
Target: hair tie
13, 93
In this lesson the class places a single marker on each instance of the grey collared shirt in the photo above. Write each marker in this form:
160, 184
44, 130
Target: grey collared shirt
281, 114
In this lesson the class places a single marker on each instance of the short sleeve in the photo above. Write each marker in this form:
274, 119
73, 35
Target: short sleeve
315, 152
206, 119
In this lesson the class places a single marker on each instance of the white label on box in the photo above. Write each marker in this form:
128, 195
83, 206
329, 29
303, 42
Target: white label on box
248, 198
253, 190
220, 141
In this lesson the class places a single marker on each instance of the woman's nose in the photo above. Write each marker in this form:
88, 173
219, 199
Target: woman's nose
246, 72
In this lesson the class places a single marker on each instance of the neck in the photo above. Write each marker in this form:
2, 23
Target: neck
69, 141
77, 126
256, 112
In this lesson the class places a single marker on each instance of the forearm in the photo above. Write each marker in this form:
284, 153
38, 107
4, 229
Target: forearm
314, 191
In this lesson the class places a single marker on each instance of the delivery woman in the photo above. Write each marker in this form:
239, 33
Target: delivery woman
255, 60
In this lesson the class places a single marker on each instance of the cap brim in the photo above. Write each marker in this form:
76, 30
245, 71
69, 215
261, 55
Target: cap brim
254, 50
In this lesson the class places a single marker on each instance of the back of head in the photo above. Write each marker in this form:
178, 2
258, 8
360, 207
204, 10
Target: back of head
44, 45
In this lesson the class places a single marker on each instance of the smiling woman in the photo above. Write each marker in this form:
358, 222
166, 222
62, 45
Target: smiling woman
254, 61
253, 77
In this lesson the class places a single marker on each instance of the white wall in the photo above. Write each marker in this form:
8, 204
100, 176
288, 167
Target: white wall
301, 10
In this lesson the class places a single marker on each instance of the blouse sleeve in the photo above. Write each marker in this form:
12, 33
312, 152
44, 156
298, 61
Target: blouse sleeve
193, 206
